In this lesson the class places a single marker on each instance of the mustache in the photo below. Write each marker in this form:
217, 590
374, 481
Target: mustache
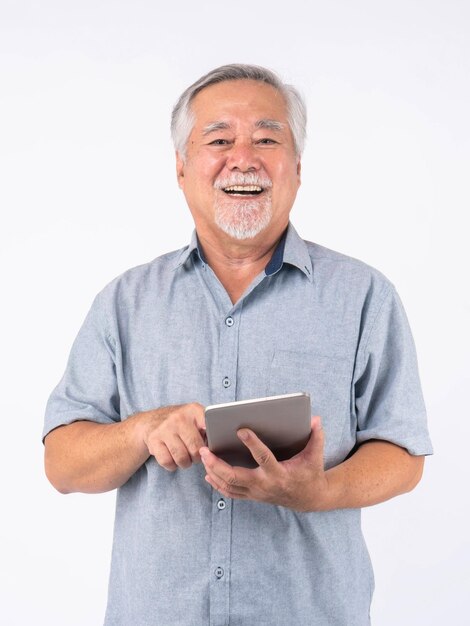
238, 178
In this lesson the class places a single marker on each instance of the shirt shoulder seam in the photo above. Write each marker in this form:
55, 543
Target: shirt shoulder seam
386, 291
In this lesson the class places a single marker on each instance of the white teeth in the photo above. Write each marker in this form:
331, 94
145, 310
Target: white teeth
243, 188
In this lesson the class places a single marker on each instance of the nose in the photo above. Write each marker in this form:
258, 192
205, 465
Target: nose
242, 156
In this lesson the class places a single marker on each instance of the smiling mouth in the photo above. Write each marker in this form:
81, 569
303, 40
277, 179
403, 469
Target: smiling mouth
243, 190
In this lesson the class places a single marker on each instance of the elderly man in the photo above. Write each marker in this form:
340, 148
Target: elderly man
247, 310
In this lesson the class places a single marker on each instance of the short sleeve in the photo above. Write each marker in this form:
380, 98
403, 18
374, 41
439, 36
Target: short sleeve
388, 400
88, 389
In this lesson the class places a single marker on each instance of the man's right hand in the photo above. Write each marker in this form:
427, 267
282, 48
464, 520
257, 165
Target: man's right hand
174, 435
92, 458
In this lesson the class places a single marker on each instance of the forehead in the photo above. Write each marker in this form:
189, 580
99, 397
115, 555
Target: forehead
238, 101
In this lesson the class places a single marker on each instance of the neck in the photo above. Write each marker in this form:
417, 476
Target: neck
237, 263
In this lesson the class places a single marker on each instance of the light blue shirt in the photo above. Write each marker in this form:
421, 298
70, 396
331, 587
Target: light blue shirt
167, 333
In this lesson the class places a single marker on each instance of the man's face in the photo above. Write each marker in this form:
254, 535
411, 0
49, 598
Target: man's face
241, 172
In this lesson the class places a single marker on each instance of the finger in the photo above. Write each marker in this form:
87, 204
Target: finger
198, 413
226, 490
314, 449
259, 451
233, 477
193, 441
163, 457
178, 450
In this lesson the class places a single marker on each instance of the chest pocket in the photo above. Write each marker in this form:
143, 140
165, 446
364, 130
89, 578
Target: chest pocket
328, 381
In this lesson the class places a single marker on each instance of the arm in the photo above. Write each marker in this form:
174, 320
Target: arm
378, 470
92, 458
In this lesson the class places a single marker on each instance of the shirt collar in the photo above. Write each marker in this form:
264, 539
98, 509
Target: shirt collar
291, 249
188, 250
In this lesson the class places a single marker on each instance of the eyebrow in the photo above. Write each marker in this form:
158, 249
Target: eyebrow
263, 123
270, 124
210, 128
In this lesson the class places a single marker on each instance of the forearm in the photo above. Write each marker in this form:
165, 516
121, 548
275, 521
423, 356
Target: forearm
92, 458
376, 472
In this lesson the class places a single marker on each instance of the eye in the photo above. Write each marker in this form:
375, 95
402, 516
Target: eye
219, 142
266, 141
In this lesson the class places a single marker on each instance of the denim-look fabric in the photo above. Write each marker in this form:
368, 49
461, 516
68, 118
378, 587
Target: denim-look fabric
167, 333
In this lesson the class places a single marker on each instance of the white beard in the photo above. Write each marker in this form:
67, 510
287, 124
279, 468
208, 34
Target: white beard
243, 219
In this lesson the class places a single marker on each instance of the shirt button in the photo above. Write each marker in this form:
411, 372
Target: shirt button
219, 572
221, 505
229, 321
226, 382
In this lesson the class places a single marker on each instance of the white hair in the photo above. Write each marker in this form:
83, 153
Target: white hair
183, 119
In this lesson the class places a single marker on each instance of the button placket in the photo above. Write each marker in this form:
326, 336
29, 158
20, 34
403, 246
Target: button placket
221, 533
225, 390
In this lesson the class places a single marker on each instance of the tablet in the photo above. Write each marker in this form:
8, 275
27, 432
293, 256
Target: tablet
281, 422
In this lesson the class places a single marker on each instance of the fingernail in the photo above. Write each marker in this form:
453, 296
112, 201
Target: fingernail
243, 435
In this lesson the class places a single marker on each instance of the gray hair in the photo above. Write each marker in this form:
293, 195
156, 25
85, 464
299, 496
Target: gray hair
182, 117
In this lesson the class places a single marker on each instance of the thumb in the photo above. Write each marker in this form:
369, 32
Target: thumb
315, 446
259, 451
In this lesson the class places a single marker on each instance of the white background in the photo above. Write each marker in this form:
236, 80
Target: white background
87, 190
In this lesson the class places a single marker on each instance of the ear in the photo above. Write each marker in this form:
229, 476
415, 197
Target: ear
299, 169
180, 170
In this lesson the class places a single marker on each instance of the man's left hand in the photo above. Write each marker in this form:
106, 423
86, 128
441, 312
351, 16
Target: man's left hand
300, 483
